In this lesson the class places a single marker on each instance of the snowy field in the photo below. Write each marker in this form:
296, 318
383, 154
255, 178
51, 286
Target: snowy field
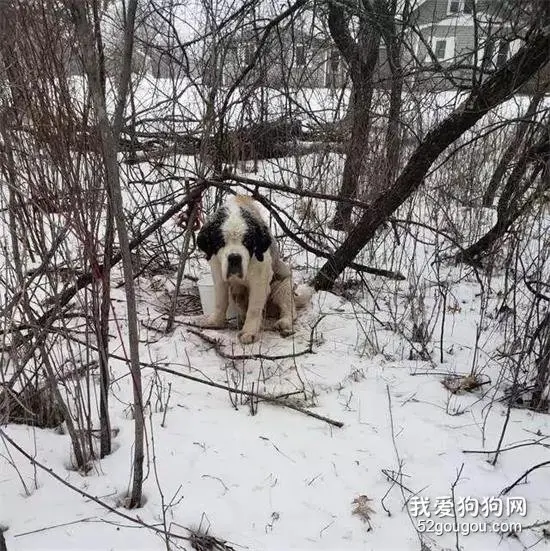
265, 476
280, 479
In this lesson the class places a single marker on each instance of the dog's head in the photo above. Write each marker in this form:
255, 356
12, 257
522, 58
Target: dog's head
237, 236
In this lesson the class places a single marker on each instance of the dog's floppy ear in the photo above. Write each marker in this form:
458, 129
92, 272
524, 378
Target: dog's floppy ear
210, 239
257, 238
204, 241
262, 241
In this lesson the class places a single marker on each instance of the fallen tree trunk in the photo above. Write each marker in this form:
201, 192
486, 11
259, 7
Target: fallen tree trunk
519, 69
263, 140
280, 151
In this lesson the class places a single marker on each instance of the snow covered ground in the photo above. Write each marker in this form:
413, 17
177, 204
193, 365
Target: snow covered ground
280, 479
264, 476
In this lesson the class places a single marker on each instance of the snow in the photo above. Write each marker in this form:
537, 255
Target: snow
279, 479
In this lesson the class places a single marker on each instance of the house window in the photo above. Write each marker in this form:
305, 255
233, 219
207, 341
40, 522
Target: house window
442, 48
502, 53
456, 7
334, 61
300, 55
496, 53
333, 68
248, 53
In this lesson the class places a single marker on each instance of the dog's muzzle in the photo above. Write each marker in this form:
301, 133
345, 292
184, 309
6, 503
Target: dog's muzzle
234, 265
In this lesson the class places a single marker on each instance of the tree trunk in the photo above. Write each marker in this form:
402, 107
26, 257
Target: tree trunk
355, 154
511, 150
539, 398
520, 68
394, 43
103, 310
361, 59
509, 207
483, 246
103, 340
109, 140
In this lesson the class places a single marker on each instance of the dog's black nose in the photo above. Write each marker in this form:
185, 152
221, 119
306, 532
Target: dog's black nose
234, 265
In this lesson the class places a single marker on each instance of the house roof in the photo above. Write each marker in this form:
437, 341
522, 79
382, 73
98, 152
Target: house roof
463, 20
414, 4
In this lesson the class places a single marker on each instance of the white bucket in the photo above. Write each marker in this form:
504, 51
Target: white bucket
208, 298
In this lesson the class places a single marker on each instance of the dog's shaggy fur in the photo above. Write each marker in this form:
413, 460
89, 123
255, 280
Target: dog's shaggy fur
245, 262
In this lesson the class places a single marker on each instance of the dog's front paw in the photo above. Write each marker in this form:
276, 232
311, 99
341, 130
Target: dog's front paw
284, 326
210, 321
247, 337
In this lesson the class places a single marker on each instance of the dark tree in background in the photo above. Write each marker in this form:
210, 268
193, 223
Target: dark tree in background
361, 56
524, 65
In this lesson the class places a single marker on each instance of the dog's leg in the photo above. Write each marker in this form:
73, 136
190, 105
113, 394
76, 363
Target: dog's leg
239, 294
217, 319
257, 298
282, 296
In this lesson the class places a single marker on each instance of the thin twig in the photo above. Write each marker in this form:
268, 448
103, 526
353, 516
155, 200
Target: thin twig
163, 424
184, 255
273, 399
135, 520
514, 447
457, 540
528, 471
400, 467
46, 528
218, 346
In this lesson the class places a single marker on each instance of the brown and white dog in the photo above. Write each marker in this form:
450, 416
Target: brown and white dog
245, 262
